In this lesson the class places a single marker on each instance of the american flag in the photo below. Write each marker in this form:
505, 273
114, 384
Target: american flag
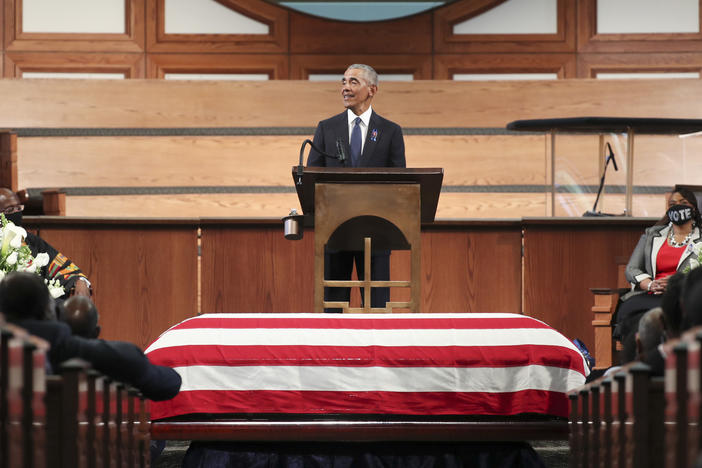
402, 364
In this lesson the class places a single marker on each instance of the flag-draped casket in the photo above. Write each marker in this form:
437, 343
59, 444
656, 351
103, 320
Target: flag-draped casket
388, 364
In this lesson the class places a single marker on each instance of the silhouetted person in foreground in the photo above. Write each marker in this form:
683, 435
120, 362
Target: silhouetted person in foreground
25, 302
80, 313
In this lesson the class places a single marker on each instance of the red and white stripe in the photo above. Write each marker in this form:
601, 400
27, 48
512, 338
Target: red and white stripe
418, 364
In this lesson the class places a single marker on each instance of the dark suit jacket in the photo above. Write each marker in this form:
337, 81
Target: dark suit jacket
118, 360
384, 145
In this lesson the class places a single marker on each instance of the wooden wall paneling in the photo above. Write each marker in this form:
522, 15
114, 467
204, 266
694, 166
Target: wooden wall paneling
590, 41
247, 205
419, 65
272, 15
144, 275
590, 64
472, 269
445, 66
275, 66
8, 161
561, 263
131, 65
312, 35
131, 41
446, 42
255, 269
170, 161
482, 204
295, 103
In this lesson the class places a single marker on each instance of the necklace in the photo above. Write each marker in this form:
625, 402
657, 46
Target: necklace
672, 242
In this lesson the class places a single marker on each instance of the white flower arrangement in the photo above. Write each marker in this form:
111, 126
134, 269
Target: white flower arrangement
15, 255
696, 259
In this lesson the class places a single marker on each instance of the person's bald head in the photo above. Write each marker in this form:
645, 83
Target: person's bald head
80, 313
8, 198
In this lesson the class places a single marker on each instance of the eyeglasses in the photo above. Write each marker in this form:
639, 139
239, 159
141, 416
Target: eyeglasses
12, 209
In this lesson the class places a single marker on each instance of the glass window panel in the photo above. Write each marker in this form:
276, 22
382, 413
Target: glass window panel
504, 76
361, 11
208, 17
82, 76
514, 17
647, 16
381, 77
647, 75
73, 16
217, 76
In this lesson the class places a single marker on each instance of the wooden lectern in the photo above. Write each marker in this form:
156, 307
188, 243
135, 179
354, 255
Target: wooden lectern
363, 209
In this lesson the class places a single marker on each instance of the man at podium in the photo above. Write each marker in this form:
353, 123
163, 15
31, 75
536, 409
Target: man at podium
369, 140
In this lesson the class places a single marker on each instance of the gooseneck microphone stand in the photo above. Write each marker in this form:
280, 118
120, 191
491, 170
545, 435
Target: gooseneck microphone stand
594, 211
301, 167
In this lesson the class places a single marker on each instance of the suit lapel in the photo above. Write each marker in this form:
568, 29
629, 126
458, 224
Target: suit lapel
371, 140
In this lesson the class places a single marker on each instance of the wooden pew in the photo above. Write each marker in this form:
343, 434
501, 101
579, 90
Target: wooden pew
683, 405
5, 337
618, 421
76, 418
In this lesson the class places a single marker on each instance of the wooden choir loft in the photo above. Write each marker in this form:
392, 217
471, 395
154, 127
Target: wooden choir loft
168, 139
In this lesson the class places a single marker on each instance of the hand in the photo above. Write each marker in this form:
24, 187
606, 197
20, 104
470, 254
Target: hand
81, 288
658, 286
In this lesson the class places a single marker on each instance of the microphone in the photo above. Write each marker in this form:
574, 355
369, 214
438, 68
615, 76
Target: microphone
593, 212
611, 156
300, 167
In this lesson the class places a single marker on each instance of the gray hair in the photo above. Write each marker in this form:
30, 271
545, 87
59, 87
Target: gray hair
369, 73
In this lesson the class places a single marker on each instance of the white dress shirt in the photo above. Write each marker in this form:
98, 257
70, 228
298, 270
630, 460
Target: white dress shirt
365, 120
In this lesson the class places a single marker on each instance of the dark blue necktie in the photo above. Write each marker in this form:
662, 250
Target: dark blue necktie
356, 142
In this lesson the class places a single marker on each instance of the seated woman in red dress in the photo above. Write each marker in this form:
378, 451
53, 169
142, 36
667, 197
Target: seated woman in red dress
673, 244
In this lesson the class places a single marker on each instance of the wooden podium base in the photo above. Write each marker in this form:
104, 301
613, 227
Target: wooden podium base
337, 203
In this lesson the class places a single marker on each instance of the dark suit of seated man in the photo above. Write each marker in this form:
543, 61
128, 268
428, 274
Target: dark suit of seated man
370, 141
25, 302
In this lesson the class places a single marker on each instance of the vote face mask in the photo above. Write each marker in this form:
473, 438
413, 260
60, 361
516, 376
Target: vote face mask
680, 214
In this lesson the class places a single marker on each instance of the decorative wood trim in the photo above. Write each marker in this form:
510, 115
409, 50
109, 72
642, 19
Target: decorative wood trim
8, 160
132, 65
590, 64
312, 35
275, 66
445, 41
590, 41
275, 17
420, 66
131, 41
445, 66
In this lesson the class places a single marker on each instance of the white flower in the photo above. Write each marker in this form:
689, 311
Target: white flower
694, 263
41, 260
19, 235
55, 289
12, 258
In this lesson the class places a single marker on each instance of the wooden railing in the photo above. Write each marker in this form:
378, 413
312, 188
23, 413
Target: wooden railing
631, 418
73, 418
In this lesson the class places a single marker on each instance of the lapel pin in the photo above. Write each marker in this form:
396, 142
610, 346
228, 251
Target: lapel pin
374, 135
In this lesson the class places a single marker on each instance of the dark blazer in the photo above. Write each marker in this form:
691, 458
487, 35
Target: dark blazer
384, 145
118, 360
